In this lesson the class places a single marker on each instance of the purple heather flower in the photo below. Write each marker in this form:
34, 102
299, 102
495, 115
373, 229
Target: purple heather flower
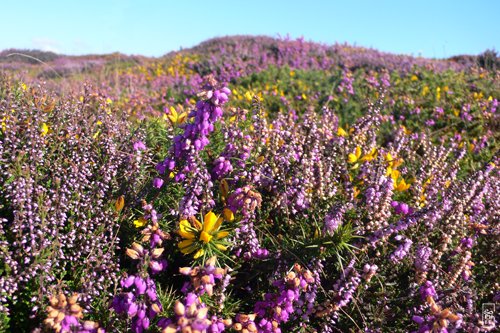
69, 322
161, 167
401, 208
157, 266
418, 319
145, 322
140, 285
402, 250
222, 166
129, 281
139, 145
132, 309
422, 255
191, 298
157, 182
427, 289
152, 294
141, 313
140, 305
467, 242
333, 219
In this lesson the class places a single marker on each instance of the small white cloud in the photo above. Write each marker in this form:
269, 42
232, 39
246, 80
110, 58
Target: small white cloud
46, 44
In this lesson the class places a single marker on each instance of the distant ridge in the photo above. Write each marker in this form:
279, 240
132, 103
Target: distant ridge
246, 46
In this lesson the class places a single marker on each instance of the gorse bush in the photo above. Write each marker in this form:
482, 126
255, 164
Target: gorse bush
489, 60
296, 188
27, 56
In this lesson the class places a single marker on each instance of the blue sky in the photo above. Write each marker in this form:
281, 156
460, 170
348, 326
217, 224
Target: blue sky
431, 28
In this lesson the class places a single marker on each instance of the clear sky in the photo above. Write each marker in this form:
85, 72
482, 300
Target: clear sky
431, 28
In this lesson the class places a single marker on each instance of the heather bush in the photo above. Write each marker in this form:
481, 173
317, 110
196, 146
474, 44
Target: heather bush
63, 163
251, 185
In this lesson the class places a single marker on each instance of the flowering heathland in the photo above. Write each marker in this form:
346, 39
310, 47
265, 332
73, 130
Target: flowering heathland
250, 185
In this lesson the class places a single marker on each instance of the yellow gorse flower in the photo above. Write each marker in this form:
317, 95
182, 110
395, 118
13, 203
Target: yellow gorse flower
249, 96
357, 156
422, 200
400, 184
44, 129
341, 132
354, 157
393, 163
228, 214
140, 222
197, 236
4, 120
175, 118
425, 90
406, 130
370, 156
